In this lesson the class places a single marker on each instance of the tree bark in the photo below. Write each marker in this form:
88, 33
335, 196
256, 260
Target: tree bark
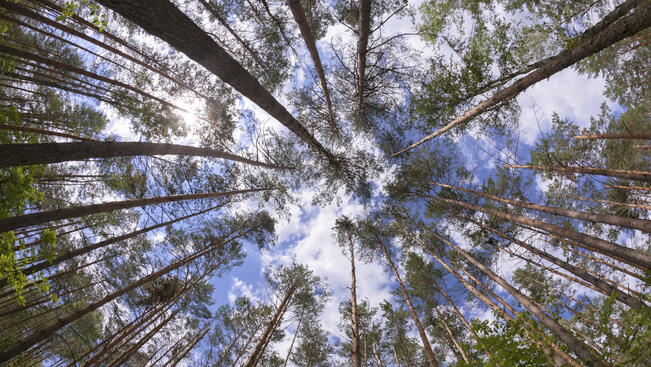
593, 40
44, 153
618, 173
32, 219
308, 37
355, 352
376, 355
364, 31
421, 331
43, 132
638, 136
627, 255
633, 223
163, 20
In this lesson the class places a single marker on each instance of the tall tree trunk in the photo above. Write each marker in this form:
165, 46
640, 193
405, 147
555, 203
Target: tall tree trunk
623, 136
376, 355
32, 219
618, 173
354, 319
451, 335
421, 331
228, 349
632, 188
163, 20
52, 327
190, 347
291, 346
617, 203
614, 250
593, 40
308, 37
30, 154
259, 348
42, 132
633, 223
395, 355
364, 31
598, 284
574, 344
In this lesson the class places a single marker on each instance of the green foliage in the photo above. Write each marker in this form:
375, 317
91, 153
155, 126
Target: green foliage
509, 345
72, 7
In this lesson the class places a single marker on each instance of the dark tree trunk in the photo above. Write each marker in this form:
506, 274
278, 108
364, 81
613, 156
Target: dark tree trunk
32, 219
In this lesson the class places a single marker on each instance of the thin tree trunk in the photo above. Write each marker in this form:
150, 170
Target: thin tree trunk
623, 136
52, 327
42, 132
162, 19
574, 344
291, 346
376, 355
246, 345
189, 348
452, 337
421, 331
364, 31
618, 173
395, 355
32, 219
258, 350
597, 283
308, 37
632, 188
627, 255
617, 203
43, 153
227, 351
593, 40
354, 352
633, 223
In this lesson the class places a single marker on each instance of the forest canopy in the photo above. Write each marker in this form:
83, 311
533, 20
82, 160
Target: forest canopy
377, 183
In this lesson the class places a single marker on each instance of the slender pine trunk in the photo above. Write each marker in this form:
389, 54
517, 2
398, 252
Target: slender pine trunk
33, 219
623, 136
609, 172
421, 330
354, 343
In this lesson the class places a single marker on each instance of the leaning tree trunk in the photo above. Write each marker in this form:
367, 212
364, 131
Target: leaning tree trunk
421, 331
638, 136
633, 223
52, 327
618, 173
308, 37
364, 31
271, 327
593, 40
355, 352
291, 346
193, 343
43, 153
42, 132
574, 344
32, 219
163, 20
614, 250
